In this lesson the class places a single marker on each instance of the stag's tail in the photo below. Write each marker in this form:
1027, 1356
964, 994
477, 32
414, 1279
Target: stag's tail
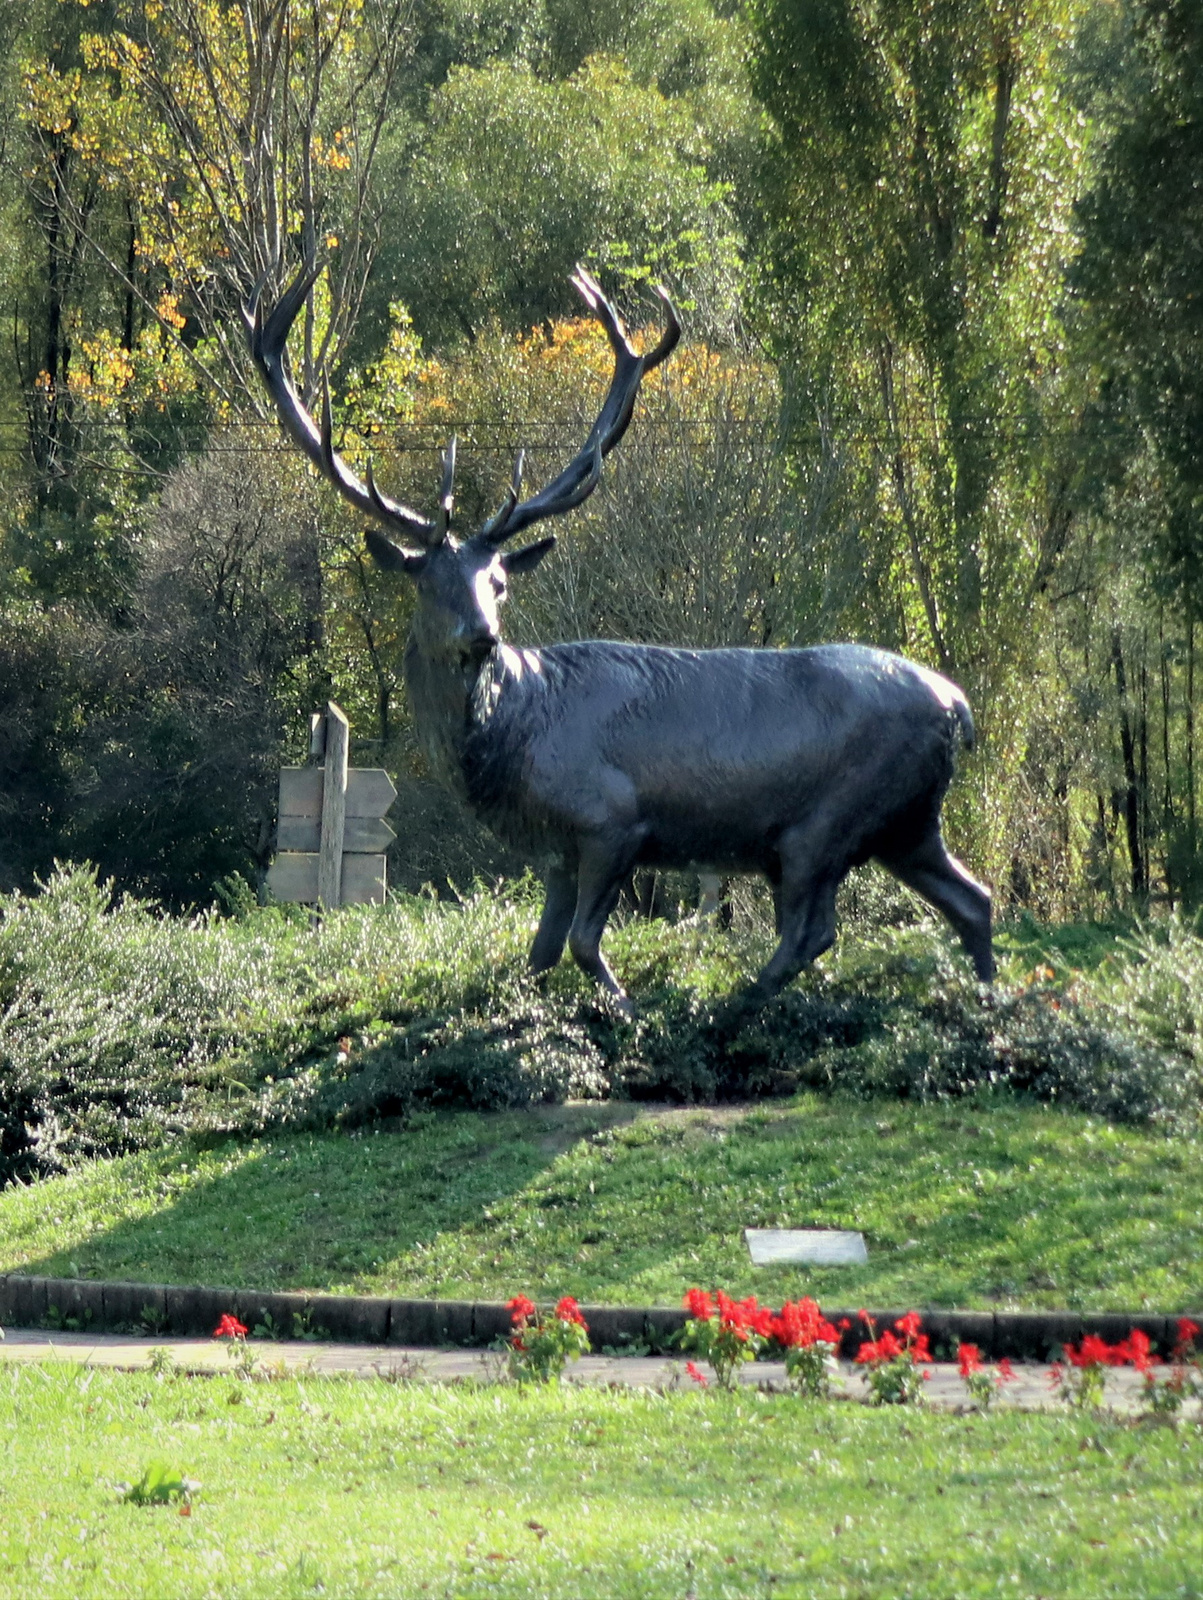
964, 717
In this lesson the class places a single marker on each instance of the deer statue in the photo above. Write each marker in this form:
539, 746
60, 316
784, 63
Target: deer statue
596, 757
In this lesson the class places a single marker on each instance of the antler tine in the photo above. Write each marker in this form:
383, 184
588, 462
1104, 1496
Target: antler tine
446, 494
268, 340
492, 532
579, 478
671, 336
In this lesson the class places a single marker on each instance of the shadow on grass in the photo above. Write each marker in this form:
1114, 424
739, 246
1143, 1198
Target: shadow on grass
296, 1211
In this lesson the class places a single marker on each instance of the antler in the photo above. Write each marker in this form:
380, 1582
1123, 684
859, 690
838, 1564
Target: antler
579, 479
267, 341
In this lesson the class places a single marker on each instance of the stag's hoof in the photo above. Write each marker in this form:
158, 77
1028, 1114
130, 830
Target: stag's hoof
625, 1007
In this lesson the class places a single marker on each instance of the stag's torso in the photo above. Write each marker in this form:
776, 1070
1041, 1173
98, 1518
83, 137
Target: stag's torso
708, 755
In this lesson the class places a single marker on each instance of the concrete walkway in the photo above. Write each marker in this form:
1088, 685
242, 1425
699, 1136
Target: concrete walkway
1029, 1392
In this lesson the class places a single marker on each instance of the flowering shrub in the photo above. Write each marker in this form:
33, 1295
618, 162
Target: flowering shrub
1184, 1379
810, 1343
726, 1332
1081, 1378
242, 1359
541, 1346
984, 1386
892, 1364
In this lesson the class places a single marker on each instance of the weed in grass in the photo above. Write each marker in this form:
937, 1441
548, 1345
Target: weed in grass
159, 1485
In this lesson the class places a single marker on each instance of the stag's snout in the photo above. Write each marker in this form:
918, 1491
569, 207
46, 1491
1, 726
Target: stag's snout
474, 653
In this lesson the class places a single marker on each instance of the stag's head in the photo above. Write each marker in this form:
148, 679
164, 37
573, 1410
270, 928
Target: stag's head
461, 581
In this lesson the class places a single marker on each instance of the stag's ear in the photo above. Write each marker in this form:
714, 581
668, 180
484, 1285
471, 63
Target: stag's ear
391, 556
529, 557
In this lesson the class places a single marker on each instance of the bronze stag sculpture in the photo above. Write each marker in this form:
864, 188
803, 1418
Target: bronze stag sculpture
595, 757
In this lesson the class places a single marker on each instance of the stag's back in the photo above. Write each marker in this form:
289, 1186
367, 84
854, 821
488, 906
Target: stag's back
713, 754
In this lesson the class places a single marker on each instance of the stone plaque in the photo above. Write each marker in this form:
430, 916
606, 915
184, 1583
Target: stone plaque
823, 1247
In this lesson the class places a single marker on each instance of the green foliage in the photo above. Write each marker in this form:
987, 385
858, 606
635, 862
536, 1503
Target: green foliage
1136, 280
917, 199
122, 1027
516, 179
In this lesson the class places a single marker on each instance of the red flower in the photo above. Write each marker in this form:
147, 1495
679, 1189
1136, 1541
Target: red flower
884, 1349
1137, 1349
568, 1311
969, 1359
1187, 1333
1056, 1375
230, 1328
696, 1373
1006, 1372
909, 1325
699, 1305
521, 1309
801, 1324
1095, 1352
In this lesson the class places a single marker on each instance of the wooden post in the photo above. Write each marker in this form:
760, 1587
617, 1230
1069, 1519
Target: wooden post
334, 809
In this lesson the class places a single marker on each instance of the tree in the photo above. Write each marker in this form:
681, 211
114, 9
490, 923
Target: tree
919, 191
1138, 278
515, 179
243, 139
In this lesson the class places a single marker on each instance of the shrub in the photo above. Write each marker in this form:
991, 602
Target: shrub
725, 1332
892, 1364
542, 1345
121, 1026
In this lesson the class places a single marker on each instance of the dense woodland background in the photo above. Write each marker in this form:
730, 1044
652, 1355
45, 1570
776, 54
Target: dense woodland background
941, 263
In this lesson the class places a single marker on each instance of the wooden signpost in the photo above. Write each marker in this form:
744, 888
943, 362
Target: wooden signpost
332, 834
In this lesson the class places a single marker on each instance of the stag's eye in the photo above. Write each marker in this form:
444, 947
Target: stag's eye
498, 583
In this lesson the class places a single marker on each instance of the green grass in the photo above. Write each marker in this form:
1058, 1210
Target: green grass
345, 1488
982, 1203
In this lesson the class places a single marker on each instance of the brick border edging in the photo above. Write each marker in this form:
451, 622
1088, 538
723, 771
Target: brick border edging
91, 1305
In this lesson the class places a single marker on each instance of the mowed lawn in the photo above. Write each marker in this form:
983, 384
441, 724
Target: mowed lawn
984, 1203
369, 1489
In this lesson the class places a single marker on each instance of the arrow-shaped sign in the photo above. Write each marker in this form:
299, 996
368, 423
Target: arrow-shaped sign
332, 832
370, 792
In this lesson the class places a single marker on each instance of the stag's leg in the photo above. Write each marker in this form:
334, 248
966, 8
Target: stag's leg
556, 919
600, 878
807, 928
944, 883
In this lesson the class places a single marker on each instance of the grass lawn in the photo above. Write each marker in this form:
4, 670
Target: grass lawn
346, 1488
983, 1203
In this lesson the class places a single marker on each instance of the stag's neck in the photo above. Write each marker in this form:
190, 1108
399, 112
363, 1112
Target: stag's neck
453, 705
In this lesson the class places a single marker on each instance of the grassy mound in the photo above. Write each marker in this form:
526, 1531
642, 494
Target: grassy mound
980, 1203
121, 1028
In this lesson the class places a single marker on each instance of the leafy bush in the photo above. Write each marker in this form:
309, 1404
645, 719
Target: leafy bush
121, 1027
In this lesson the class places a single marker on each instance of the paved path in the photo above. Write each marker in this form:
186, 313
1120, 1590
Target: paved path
1030, 1390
